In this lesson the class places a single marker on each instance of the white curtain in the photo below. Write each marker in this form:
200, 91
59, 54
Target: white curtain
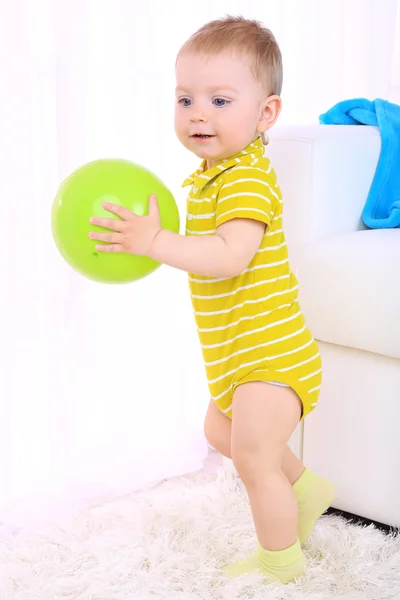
102, 388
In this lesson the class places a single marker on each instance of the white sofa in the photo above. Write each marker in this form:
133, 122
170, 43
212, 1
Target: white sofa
350, 293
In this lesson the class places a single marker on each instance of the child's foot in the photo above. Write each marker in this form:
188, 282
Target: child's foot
276, 565
314, 496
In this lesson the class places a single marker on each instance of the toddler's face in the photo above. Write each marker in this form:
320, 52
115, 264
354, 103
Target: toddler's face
218, 97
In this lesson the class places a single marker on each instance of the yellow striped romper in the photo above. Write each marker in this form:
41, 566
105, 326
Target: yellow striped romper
250, 327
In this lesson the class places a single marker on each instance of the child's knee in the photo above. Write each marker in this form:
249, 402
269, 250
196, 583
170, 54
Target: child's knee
217, 429
210, 424
253, 461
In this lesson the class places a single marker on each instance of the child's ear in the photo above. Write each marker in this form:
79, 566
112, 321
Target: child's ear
270, 112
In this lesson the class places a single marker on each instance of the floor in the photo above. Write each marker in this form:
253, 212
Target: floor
170, 542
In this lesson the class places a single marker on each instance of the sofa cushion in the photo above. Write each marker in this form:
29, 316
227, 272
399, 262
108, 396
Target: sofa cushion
350, 290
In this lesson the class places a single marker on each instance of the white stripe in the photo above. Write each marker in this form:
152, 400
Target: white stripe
253, 194
276, 218
233, 324
228, 310
272, 264
268, 248
196, 201
246, 168
274, 232
249, 270
269, 343
240, 335
310, 375
296, 349
239, 289
254, 362
252, 179
314, 389
195, 280
205, 216
243, 209
314, 404
260, 371
224, 394
299, 364
209, 232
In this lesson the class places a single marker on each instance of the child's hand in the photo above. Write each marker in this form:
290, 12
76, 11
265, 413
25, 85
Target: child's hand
132, 235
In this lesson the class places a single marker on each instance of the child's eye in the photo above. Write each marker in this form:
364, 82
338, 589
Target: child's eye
220, 102
184, 102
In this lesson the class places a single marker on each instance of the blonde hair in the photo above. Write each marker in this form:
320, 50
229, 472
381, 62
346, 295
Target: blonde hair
248, 37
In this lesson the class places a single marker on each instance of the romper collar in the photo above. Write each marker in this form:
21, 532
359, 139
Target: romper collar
248, 156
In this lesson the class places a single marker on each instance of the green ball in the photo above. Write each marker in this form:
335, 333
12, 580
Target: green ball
81, 196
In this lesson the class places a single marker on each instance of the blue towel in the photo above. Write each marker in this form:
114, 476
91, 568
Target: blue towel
382, 208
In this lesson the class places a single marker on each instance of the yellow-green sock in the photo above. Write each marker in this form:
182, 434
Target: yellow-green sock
314, 495
276, 565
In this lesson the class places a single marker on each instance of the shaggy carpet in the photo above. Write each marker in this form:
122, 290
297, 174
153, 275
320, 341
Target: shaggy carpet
170, 541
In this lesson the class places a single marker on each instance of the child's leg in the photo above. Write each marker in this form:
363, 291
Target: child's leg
264, 418
217, 429
314, 494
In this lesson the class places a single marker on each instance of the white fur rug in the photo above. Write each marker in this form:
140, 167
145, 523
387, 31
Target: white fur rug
170, 541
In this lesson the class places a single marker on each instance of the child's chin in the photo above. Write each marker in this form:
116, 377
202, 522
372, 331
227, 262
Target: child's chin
202, 153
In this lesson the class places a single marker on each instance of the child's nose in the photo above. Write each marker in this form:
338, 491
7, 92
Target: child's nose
198, 116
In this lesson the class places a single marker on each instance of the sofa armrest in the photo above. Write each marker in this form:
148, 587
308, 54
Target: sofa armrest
325, 173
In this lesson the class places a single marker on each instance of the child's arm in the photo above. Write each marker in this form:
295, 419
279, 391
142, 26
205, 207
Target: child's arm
225, 254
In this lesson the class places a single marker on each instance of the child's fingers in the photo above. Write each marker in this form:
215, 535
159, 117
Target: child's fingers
107, 236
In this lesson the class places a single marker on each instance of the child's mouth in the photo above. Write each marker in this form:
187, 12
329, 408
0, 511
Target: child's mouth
200, 137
